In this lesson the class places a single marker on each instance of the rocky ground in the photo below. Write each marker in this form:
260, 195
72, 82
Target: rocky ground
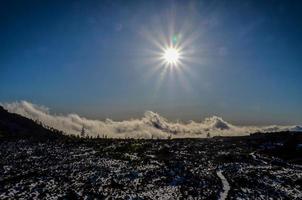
217, 168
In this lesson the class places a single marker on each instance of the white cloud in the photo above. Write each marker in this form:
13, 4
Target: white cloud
151, 125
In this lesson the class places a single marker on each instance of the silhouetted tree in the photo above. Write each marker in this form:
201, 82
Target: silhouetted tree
83, 132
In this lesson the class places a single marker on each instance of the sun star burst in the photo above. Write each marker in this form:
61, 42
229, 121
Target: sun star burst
171, 55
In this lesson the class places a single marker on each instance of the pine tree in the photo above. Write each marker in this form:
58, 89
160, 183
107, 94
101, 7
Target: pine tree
83, 132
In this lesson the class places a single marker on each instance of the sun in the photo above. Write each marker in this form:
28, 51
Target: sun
171, 56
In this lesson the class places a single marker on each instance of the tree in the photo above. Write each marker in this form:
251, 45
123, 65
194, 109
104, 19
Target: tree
83, 132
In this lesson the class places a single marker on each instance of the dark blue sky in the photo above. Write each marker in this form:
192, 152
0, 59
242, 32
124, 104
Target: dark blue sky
95, 58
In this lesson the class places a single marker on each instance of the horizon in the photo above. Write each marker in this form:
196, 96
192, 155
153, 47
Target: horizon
184, 60
18, 106
150, 125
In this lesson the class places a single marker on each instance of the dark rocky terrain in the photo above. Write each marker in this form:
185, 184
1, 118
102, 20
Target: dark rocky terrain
32, 166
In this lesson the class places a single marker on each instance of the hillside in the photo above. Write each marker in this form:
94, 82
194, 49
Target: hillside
14, 126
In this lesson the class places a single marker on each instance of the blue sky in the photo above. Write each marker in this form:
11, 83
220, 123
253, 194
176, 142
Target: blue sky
95, 58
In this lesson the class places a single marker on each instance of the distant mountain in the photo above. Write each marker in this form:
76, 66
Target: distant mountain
15, 126
297, 128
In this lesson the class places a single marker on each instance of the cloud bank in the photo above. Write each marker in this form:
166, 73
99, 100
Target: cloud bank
151, 125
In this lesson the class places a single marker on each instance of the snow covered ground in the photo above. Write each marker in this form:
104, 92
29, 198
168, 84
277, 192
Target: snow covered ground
144, 169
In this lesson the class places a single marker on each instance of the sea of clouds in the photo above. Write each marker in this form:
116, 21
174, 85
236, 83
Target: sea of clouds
151, 125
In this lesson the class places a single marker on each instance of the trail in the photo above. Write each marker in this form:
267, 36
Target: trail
259, 159
225, 186
256, 159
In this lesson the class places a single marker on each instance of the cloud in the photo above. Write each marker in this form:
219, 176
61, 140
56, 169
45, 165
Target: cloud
150, 125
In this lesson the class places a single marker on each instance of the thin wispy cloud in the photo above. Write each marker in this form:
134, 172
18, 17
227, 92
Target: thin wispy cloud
151, 125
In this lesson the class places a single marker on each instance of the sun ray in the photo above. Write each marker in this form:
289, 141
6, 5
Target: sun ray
172, 53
